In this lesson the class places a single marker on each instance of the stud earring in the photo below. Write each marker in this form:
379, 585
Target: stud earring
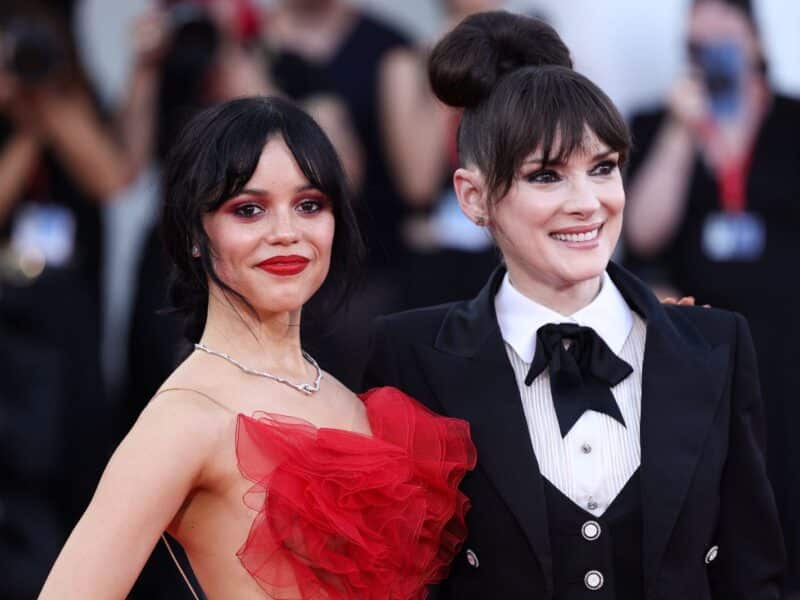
195, 251
480, 222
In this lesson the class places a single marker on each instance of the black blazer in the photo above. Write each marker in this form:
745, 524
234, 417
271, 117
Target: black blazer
703, 479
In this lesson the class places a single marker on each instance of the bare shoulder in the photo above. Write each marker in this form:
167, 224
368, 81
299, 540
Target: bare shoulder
188, 406
202, 380
174, 425
198, 403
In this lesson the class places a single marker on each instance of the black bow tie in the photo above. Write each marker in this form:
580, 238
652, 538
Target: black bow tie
582, 371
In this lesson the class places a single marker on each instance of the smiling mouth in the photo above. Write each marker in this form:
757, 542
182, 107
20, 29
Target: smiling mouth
589, 235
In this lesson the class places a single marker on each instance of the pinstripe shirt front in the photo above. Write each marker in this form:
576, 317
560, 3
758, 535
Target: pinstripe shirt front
592, 463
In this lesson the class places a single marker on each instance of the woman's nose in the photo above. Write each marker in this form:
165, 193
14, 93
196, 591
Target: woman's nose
584, 198
281, 229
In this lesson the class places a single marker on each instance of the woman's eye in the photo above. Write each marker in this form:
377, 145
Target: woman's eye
543, 176
248, 211
309, 206
605, 168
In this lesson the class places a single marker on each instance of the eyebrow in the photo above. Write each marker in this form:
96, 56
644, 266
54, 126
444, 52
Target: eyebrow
596, 157
260, 192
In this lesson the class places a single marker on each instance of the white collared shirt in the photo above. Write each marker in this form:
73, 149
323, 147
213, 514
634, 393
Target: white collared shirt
592, 463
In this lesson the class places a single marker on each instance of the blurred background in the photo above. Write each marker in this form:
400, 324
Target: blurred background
92, 93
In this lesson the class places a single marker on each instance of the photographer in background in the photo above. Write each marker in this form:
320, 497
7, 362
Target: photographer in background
55, 148
58, 164
714, 211
188, 54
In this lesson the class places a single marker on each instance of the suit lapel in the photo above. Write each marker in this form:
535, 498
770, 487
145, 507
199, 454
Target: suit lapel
682, 382
470, 374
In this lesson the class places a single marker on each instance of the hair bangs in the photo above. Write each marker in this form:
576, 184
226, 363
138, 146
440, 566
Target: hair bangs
312, 151
539, 112
236, 153
241, 143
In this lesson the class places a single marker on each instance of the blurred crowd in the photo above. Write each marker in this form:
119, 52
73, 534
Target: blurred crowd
86, 338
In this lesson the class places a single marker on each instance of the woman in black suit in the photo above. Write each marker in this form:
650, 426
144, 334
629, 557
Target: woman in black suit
620, 441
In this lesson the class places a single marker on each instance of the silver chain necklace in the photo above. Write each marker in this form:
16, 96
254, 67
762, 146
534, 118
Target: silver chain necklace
305, 388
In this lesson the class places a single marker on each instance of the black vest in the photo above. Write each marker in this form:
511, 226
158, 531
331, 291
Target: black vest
597, 558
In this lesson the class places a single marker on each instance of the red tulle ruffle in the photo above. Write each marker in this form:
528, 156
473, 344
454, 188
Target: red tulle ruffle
343, 515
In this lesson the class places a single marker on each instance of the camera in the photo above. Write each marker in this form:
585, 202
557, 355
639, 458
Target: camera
31, 50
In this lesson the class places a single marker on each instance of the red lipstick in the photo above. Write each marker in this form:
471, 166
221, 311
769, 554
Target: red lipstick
284, 265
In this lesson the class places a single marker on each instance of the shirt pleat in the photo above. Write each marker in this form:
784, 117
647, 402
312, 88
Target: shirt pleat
594, 461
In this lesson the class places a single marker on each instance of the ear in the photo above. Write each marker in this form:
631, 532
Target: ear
470, 190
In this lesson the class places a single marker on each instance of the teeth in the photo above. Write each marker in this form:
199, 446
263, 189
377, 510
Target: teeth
576, 237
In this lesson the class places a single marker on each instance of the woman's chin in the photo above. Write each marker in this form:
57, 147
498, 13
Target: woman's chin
268, 305
588, 269
273, 308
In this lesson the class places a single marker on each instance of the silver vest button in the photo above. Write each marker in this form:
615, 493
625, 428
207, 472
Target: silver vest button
711, 554
591, 531
593, 580
472, 559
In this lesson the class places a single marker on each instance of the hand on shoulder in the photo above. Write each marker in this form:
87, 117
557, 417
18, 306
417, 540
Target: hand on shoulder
682, 301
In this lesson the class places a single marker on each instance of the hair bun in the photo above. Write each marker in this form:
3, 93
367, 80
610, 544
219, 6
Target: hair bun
467, 63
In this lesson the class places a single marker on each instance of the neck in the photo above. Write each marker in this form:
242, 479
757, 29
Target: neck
564, 298
267, 341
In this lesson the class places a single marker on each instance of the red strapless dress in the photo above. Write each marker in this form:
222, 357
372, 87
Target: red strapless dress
342, 515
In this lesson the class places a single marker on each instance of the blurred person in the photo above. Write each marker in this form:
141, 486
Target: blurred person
59, 163
277, 480
620, 442
714, 212
448, 256
418, 155
59, 160
187, 56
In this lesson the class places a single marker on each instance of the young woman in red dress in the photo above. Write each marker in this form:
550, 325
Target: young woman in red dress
276, 480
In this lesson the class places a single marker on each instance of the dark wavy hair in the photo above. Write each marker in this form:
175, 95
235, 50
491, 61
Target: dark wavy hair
512, 76
212, 160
